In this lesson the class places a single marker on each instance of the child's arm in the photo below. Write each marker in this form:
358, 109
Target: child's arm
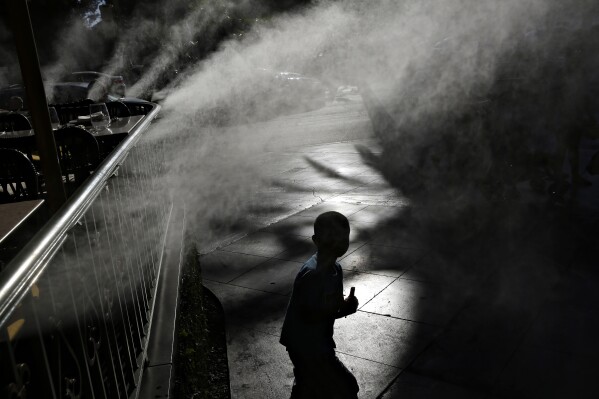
314, 306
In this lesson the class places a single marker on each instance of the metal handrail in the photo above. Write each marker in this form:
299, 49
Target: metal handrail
31, 261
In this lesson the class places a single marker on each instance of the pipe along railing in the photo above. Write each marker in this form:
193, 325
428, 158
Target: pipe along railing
76, 302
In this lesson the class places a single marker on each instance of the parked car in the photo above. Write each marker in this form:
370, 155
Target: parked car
116, 84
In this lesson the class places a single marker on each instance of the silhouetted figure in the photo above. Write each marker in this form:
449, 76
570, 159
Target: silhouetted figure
316, 301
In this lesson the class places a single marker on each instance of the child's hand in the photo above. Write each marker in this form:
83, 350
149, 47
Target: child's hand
351, 304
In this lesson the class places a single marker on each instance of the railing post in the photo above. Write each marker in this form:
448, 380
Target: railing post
36, 98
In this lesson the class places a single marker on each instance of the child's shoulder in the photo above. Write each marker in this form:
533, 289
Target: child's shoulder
309, 266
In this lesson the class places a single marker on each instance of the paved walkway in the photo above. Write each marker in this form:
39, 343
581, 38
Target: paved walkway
509, 322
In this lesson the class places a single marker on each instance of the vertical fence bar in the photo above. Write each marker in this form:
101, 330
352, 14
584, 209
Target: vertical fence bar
124, 312
114, 316
78, 355
131, 295
115, 362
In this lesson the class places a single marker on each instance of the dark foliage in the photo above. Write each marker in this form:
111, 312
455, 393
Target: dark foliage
201, 368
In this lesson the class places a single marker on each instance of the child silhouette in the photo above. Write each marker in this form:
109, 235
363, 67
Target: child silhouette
316, 301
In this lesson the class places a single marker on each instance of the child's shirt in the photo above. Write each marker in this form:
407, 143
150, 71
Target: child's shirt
313, 307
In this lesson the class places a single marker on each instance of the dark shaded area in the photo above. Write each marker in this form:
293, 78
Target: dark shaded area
201, 368
489, 137
50, 19
475, 207
500, 204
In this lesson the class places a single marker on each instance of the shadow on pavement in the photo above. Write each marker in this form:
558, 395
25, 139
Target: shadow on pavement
499, 278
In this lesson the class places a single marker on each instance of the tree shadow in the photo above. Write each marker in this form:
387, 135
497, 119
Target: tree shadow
489, 241
329, 172
510, 249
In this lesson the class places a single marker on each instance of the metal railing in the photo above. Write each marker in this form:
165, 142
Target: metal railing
76, 302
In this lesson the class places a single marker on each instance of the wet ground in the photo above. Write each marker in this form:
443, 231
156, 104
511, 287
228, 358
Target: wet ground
483, 300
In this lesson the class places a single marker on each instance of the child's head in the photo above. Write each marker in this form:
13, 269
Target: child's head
331, 233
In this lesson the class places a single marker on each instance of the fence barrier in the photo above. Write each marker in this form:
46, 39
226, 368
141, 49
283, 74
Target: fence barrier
76, 302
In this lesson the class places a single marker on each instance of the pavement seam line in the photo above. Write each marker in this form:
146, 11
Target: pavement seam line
257, 329
249, 288
370, 360
387, 286
371, 273
401, 318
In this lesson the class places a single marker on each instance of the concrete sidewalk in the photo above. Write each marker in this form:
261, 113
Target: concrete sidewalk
253, 277
424, 329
